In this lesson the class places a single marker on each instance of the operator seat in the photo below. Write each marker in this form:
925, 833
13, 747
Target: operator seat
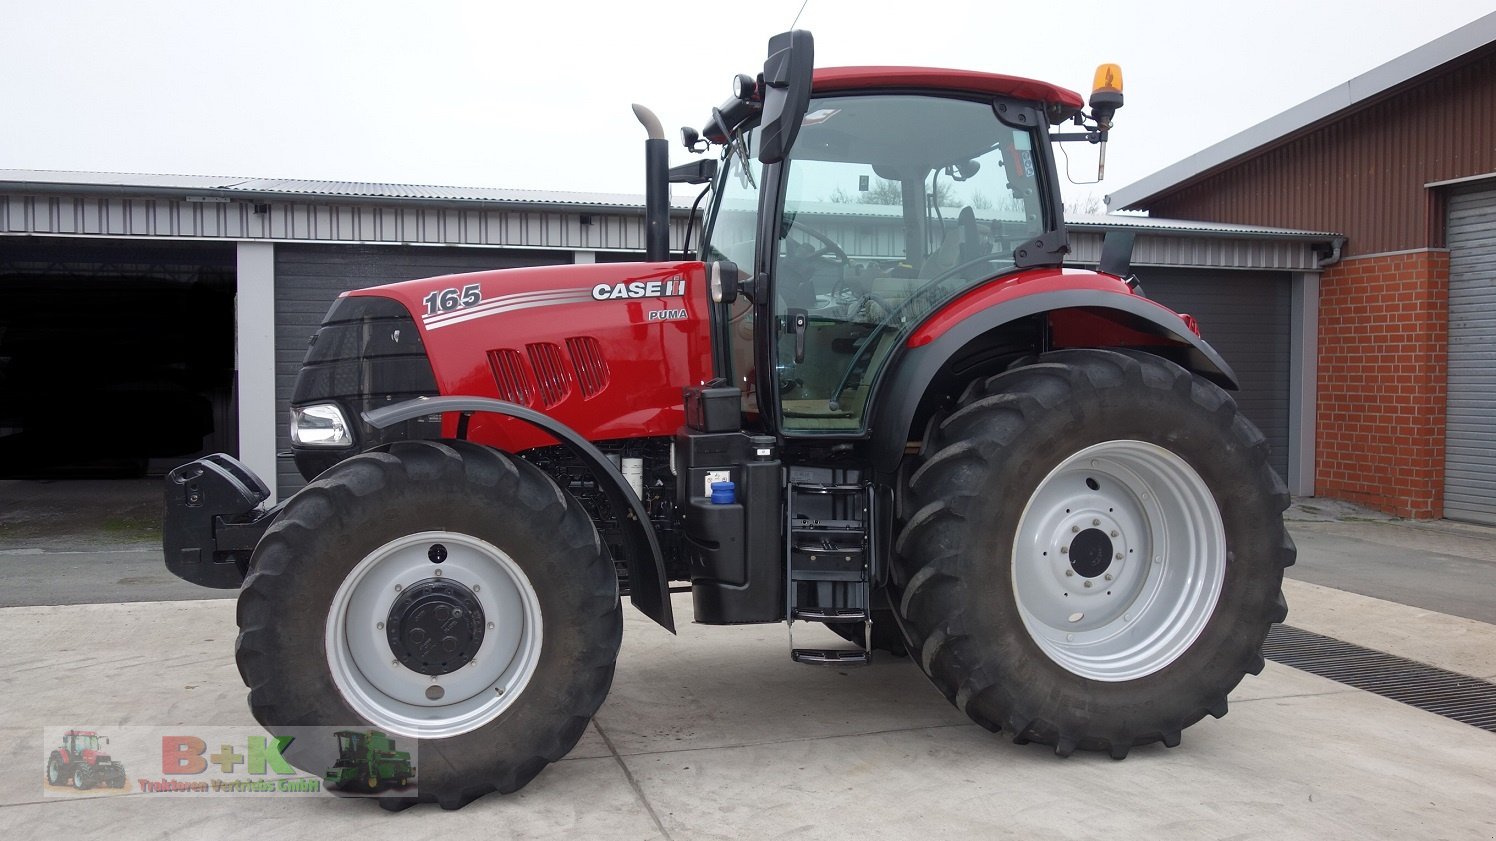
957, 247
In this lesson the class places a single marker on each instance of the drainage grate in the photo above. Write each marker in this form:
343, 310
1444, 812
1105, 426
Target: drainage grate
1450, 694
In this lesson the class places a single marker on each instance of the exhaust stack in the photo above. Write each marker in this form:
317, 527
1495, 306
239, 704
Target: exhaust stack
656, 188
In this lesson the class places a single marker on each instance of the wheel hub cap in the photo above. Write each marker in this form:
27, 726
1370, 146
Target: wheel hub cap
436, 627
1091, 553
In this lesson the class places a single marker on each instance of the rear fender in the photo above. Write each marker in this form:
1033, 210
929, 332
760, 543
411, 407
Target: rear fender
929, 351
649, 587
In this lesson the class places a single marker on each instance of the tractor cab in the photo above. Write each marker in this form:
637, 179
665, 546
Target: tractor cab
76, 742
842, 225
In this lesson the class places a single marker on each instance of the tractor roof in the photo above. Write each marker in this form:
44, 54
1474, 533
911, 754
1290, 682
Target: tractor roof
832, 79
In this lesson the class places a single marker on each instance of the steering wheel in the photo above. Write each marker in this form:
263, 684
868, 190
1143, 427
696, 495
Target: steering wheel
798, 271
828, 248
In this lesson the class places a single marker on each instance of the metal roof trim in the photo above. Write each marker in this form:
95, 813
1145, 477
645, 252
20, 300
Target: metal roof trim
284, 189
1443, 50
1150, 224
118, 183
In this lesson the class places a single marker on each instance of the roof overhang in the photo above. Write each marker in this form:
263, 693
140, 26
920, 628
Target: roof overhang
209, 188
1336, 102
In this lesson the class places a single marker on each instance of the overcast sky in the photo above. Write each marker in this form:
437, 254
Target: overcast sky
536, 95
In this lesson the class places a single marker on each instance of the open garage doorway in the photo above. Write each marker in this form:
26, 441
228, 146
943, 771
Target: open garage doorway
116, 356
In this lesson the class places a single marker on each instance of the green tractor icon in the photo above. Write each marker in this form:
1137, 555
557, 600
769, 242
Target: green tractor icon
369, 762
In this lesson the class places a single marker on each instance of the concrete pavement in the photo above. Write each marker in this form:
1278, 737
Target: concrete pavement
716, 734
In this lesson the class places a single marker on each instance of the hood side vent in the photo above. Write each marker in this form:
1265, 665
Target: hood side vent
512, 377
551, 374
592, 369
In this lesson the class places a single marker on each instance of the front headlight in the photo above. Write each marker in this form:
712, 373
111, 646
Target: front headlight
320, 425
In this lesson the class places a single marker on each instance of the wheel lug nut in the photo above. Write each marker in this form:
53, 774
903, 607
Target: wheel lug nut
380, 626
476, 588
1114, 532
398, 588
1118, 556
1109, 576
1075, 529
1095, 522
1064, 550
490, 626
438, 573
1088, 583
1069, 572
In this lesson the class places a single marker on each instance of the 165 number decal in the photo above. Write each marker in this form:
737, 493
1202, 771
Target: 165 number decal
450, 299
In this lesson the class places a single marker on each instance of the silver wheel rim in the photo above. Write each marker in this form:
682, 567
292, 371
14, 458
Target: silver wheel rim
54, 771
1133, 609
398, 699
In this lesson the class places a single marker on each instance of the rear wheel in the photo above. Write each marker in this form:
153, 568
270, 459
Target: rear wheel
1131, 551
440, 591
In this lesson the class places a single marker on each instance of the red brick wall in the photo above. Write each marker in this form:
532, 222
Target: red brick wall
1383, 330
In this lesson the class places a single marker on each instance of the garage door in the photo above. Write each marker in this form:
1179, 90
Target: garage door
1247, 317
309, 278
116, 357
1470, 443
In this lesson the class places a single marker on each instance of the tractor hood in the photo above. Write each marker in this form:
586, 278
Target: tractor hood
604, 349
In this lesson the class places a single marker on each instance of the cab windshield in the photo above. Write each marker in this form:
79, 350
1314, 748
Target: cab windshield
893, 204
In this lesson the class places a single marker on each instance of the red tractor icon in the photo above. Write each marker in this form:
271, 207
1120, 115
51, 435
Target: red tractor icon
80, 762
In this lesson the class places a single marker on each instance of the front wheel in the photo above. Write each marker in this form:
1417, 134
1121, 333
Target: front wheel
1094, 551
437, 591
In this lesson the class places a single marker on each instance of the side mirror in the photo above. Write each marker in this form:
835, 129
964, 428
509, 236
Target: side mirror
786, 92
723, 280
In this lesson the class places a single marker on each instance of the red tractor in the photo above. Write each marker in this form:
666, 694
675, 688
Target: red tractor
79, 762
870, 396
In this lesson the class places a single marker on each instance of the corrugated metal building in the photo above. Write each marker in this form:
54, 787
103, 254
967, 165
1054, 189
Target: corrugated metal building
1402, 161
239, 272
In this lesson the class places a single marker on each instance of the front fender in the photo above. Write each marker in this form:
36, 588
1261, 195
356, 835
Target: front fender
930, 348
649, 589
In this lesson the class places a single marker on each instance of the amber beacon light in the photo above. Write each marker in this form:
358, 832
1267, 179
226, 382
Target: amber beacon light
1106, 95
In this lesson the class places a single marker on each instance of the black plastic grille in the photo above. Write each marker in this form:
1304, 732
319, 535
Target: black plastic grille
1460, 697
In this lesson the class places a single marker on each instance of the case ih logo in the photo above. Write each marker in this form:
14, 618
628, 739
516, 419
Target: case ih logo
639, 289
